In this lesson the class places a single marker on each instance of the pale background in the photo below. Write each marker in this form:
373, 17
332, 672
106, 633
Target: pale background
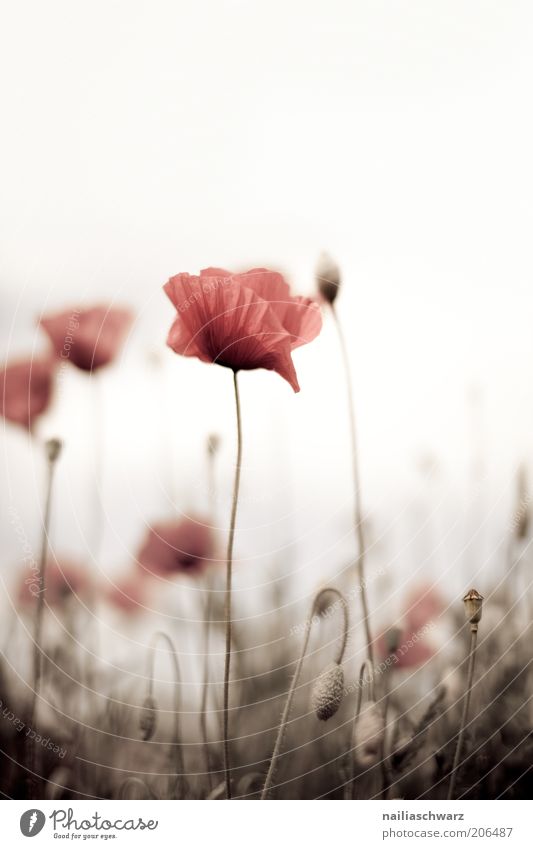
144, 138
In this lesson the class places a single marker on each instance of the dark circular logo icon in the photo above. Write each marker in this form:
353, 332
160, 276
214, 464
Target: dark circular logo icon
32, 822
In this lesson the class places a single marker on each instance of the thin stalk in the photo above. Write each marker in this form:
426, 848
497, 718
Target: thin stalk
176, 745
212, 445
466, 708
358, 705
227, 606
296, 678
53, 448
358, 512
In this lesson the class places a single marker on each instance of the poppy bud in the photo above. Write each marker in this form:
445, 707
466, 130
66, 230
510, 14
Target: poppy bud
369, 733
328, 277
325, 602
392, 639
147, 722
327, 692
473, 603
53, 449
213, 443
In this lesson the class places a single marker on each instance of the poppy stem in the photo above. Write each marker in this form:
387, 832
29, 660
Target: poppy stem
53, 449
176, 748
358, 513
212, 446
229, 564
297, 673
466, 709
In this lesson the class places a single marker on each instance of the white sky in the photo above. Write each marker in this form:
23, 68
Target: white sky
144, 138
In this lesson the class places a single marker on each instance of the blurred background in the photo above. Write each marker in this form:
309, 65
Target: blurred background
143, 139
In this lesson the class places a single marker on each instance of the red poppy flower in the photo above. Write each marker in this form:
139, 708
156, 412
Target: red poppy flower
423, 605
241, 321
127, 594
89, 338
63, 580
186, 546
26, 389
413, 648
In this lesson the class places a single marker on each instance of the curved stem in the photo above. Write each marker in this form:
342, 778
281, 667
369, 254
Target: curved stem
466, 708
296, 677
358, 512
176, 746
227, 606
33, 751
358, 703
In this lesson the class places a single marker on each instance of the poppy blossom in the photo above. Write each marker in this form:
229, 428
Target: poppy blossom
89, 339
127, 594
26, 390
241, 321
185, 546
411, 645
63, 580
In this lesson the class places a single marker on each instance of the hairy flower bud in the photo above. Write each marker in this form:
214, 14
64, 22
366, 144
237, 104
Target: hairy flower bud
327, 692
213, 443
53, 449
369, 734
148, 720
328, 278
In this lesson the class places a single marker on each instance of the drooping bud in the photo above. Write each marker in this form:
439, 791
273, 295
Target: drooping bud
392, 639
328, 278
148, 719
213, 444
326, 602
327, 692
473, 603
369, 733
53, 449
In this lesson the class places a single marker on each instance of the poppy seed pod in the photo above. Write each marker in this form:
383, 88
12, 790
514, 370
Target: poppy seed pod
147, 722
473, 603
369, 734
328, 278
327, 692
53, 449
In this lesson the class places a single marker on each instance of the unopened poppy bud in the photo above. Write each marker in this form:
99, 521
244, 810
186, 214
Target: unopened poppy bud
147, 722
327, 692
53, 449
392, 639
473, 603
369, 734
325, 602
328, 277
213, 443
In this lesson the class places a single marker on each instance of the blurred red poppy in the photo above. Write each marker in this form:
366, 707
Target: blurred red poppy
411, 645
185, 546
241, 321
127, 594
26, 390
89, 339
64, 579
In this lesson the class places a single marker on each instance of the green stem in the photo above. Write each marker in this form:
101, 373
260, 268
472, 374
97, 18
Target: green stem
227, 606
466, 709
296, 677
358, 513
